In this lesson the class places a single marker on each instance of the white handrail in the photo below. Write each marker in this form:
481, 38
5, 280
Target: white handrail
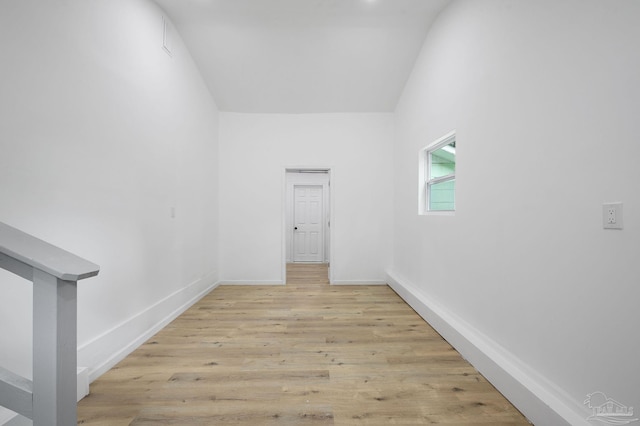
50, 399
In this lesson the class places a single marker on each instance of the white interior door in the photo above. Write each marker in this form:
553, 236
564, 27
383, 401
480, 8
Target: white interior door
308, 232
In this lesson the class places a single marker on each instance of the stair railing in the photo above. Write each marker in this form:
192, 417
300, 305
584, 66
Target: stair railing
50, 398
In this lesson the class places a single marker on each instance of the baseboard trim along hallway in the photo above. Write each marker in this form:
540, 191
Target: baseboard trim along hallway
537, 398
130, 334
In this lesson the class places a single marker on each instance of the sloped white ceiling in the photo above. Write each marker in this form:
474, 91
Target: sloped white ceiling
303, 56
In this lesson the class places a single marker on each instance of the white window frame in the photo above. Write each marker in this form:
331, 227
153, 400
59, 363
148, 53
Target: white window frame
423, 175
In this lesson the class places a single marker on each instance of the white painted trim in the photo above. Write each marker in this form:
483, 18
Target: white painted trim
538, 398
9, 418
83, 382
283, 229
250, 282
441, 141
332, 216
438, 213
111, 347
358, 282
292, 178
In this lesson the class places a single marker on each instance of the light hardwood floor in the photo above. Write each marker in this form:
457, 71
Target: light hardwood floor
302, 354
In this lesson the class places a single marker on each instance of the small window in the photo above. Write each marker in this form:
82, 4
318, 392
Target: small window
438, 176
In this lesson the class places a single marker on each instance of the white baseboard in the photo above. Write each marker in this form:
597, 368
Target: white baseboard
83, 382
339, 282
540, 400
9, 418
250, 282
358, 282
106, 350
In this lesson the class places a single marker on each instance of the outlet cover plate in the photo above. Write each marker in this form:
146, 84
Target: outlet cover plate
612, 215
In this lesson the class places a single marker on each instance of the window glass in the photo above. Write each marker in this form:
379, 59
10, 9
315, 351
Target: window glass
443, 161
442, 196
438, 176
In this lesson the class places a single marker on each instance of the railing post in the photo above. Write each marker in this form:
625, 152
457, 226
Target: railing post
54, 350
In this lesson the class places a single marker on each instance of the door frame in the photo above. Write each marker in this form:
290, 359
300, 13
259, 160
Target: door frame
306, 175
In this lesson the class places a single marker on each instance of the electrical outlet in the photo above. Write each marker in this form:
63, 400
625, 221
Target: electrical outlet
612, 215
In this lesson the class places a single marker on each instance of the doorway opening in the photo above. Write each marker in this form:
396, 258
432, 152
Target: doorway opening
307, 217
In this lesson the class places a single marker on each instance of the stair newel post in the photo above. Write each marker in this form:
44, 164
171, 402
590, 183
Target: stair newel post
54, 350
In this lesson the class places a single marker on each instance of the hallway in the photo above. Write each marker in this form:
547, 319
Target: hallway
304, 353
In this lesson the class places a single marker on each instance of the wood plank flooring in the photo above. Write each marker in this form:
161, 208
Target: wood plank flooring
302, 354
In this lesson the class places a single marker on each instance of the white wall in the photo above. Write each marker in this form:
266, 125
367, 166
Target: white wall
255, 150
102, 134
545, 99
